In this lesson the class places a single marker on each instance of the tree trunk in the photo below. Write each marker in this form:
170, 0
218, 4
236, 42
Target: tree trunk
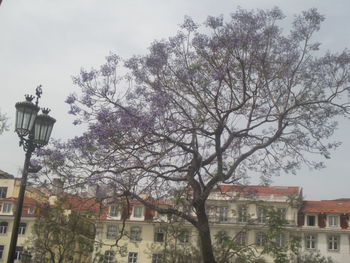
204, 235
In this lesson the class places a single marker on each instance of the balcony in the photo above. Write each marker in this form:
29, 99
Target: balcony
241, 221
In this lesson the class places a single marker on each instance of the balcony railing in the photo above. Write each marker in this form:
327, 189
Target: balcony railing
242, 221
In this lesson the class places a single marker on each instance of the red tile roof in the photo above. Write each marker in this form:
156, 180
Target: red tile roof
339, 206
82, 203
258, 189
27, 200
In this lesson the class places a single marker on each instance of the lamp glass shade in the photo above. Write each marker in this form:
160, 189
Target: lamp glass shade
43, 128
26, 113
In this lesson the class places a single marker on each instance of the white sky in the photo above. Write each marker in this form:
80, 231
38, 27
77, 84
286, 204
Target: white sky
46, 42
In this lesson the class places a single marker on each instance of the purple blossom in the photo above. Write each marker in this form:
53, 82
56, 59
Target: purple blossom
200, 41
107, 70
71, 98
214, 22
74, 110
87, 76
189, 24
105, 90
113, 59
104, 115
77, 122
158, 57
218, 75
101, 192
87, 100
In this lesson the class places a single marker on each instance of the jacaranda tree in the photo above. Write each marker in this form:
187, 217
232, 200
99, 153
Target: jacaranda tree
207, 106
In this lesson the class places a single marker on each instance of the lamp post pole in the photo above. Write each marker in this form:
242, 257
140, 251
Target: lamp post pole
16, 222
38, 130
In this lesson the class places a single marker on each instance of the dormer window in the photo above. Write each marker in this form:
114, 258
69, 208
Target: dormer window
7, 207
138, 211
333, 221
114, 211
31, 211
311, 220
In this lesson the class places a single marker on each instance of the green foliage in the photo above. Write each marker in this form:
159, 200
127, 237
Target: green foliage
62, 235
278, 242
276, 237
180, 245
313, 257
228, 249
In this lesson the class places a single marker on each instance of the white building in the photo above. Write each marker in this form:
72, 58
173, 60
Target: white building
324, 226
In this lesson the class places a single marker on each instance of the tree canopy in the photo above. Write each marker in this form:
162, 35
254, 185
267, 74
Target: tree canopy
62, 234
210, 105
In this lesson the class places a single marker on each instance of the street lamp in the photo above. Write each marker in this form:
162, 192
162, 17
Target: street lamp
34, 132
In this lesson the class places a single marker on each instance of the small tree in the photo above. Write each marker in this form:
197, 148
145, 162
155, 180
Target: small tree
62, 235
3, 123
204, 108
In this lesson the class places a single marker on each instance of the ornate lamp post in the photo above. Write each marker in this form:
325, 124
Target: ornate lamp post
34, 132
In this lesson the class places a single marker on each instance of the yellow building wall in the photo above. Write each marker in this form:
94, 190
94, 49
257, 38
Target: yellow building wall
23, 240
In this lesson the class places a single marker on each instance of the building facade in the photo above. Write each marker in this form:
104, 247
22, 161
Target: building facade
133, 233
324, 227
236, 211
9, 189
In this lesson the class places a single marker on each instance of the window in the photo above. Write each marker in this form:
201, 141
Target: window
3, 227
3, 192
223, 212
282, 212
2, 247
310, 241
241, 238
114, 210
242, 214
211, 210
31, 211
22, 229
280, 240
18, 253
260, 239
221, 237
7, 207
333, 221
311, 220
157, 258
333, 243
261, 217
135, 233
159, 235
184, 236
132, 258
138, 211
109, 256
112, 231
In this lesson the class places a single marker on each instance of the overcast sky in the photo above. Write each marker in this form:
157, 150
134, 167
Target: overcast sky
46, 42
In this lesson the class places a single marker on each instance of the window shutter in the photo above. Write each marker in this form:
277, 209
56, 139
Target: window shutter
149, 214
301, 219
322, 220
344, 221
